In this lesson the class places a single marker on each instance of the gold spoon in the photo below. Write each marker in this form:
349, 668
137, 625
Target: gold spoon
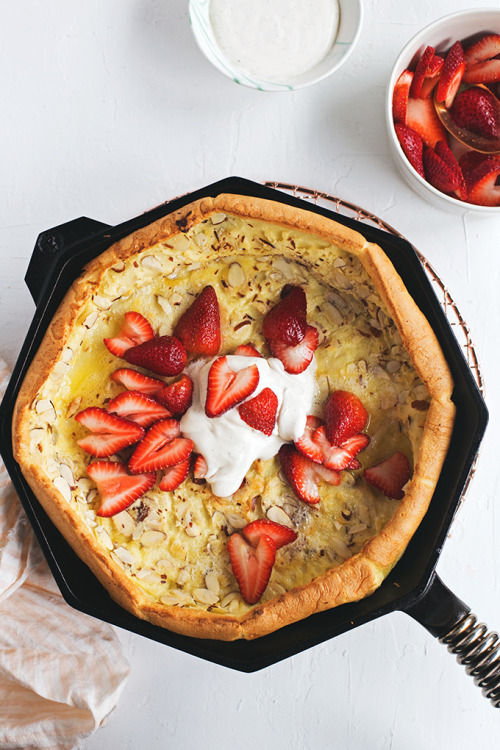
467, 137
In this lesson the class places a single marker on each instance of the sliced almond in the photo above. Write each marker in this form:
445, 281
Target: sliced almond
63, 487
333, 313
118, 267
125, 555
90, 319
104, 537
103, 303
67, 474
73, 407
212, 583
152, 538
278, 515
218, 218
164, 304
236, 520
124, 523
393, 366
205, 596
235, 275
151, 262
340, 548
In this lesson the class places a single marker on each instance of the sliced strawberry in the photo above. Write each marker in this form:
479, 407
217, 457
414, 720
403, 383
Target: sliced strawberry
482, 187
345, 416
300, 473
178, 396
164, 355
486, 48
280, 534
452, 73
247, 350
199, 327
400, 96
472, 159
252, 566
226, 388
160, 447
483, 72
134, 380
390, 476
339, 457
432, 77
421, 71
297, 358
441, 175
412, 145
446, 154
354, 465
174, 476
138, 407
259, 412
286, 321
422, 118
306, 445
117, 489
135, 330
110, 433
200, 467
330, 476
475, 109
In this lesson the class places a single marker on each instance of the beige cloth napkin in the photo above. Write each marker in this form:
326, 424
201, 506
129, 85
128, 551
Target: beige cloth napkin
61, 672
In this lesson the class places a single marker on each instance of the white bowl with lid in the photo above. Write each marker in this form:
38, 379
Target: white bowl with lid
211, 34
466, 26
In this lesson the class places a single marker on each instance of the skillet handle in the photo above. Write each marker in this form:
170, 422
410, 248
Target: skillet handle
51, 245
451, 621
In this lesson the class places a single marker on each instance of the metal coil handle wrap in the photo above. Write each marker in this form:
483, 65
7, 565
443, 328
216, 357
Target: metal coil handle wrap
479, 652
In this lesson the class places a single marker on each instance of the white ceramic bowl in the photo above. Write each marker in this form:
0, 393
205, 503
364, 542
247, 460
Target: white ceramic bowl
348, 33
464, 26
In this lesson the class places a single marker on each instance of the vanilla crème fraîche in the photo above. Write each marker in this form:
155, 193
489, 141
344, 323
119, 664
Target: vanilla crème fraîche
237, 417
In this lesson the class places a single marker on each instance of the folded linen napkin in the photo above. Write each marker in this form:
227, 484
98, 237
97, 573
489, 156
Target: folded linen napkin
61, 672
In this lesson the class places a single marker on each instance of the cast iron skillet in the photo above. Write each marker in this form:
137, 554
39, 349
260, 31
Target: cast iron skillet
412, 587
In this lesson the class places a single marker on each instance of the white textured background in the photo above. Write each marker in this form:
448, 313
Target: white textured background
108, 108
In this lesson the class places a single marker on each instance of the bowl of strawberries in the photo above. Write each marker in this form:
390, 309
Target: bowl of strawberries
443, 112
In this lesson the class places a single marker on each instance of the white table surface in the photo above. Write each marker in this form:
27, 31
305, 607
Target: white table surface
109, 108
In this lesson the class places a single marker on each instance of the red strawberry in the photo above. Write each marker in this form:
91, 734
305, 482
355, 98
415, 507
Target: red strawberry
390, 476
475, 109
442, 175
354, 465
400, 96
472, 159
300, 473
297, 358
138, 407
226, 388
110, 433
251, 566
421, 71
483, 72
247, 350
412, 145
482, 187
174, 476
345, 416
280, 534
164, 355
422, 118
303, 474
160, 447
200, 467
339, 457
486, 48
305, 443
178, 396
446, 154
451, 75
117, 489
286, 321
135, 330
199, 327
134, 380
259, 412
432, 77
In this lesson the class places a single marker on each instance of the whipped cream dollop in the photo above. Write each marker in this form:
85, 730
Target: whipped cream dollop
228, 444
